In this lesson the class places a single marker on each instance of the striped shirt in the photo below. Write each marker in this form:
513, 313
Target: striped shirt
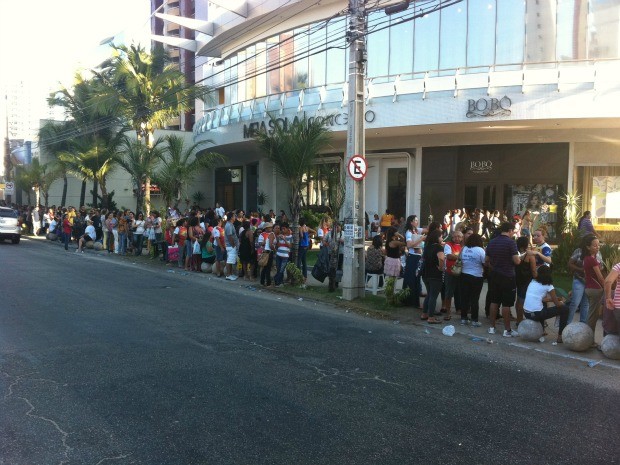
284, 246
617, 293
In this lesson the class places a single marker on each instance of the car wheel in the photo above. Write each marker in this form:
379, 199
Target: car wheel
15, 240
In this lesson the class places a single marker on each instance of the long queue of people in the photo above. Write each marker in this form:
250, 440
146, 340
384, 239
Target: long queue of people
517, 268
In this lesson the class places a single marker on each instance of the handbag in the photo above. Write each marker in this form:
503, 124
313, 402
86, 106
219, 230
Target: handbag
196, 247
263, 259
457, 268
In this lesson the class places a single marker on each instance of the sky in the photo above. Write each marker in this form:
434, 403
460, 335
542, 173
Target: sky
45, 41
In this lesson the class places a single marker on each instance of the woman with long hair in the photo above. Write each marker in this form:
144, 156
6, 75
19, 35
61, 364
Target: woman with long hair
594, 278
414, 237
394, 243
434, 265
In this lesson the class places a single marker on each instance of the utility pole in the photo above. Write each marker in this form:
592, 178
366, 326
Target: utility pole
353, 276
8, 166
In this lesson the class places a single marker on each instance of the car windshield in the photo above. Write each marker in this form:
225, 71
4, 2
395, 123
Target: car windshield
7, 213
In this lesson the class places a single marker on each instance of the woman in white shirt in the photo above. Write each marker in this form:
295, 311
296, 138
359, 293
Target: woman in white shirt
89, 236
539, 291
138, 234
472, 257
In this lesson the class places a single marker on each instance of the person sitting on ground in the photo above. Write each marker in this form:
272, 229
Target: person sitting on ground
89, 236
540, 291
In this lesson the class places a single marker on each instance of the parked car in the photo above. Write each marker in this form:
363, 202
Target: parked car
9, 225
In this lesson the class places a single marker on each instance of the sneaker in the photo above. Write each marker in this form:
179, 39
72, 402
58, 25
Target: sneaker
463, 322
512, 333
491, 331
231, 277
476, 324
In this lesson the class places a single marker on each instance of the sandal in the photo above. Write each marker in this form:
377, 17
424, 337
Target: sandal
447, 318
424, 317
433, 321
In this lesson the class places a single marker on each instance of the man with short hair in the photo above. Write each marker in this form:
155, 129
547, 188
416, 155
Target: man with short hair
232, 243
502, 255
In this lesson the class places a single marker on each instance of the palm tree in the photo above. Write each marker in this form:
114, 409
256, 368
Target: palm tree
180, 165
293, 150
147, 90
92, 147
35, 177
54, 138
140, 162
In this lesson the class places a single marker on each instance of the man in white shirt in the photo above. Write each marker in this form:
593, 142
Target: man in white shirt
219, 210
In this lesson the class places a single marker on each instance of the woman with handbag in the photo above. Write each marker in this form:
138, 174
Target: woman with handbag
266, 259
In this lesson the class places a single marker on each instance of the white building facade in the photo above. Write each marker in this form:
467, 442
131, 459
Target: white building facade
480, 103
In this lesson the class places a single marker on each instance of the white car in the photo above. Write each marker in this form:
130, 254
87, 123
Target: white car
9, 225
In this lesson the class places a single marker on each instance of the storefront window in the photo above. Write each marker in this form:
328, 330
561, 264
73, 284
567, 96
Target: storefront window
453, 37
572, 28
599, 187
604, 29
241, 73
541, 200
481, 32
510, 40
426, 45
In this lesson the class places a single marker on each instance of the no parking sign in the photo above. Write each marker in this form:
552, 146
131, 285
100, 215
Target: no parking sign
357, 167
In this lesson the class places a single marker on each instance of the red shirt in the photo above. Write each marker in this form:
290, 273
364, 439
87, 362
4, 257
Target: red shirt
589, 263
456, 250
66, 226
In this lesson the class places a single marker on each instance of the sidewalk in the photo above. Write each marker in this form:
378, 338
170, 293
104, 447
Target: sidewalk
399, 315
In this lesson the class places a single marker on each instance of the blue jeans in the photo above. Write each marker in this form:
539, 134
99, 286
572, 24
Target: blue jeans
301, 260
138, 240
122, 243
433, 290
281, 263
578, 299
411, 281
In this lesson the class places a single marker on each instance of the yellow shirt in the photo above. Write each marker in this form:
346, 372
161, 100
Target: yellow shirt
386, 220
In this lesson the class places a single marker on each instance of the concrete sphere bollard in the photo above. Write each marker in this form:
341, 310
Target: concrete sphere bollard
578, 337
97, 246
611, 346
530, 330
51, 236
206, 267
89, 245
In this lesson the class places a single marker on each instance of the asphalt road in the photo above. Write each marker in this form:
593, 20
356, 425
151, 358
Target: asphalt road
103, 361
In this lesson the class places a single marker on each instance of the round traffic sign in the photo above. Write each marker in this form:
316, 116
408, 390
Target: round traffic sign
357, 167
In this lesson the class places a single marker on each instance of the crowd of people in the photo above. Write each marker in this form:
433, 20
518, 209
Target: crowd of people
454, 258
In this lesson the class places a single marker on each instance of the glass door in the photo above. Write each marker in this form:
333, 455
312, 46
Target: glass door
483, 196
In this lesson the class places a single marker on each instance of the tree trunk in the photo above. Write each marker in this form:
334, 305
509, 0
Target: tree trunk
63, 200
104, 194
37, 196
147, 196
95, 190
83, 193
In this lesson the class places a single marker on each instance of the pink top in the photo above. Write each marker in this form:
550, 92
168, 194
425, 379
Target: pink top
617, 293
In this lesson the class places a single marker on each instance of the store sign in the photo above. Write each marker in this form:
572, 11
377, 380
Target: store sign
486, 107
268, 126
481, 166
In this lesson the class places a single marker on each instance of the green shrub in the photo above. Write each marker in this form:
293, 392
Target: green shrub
393, 298
294, 274
569, 241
